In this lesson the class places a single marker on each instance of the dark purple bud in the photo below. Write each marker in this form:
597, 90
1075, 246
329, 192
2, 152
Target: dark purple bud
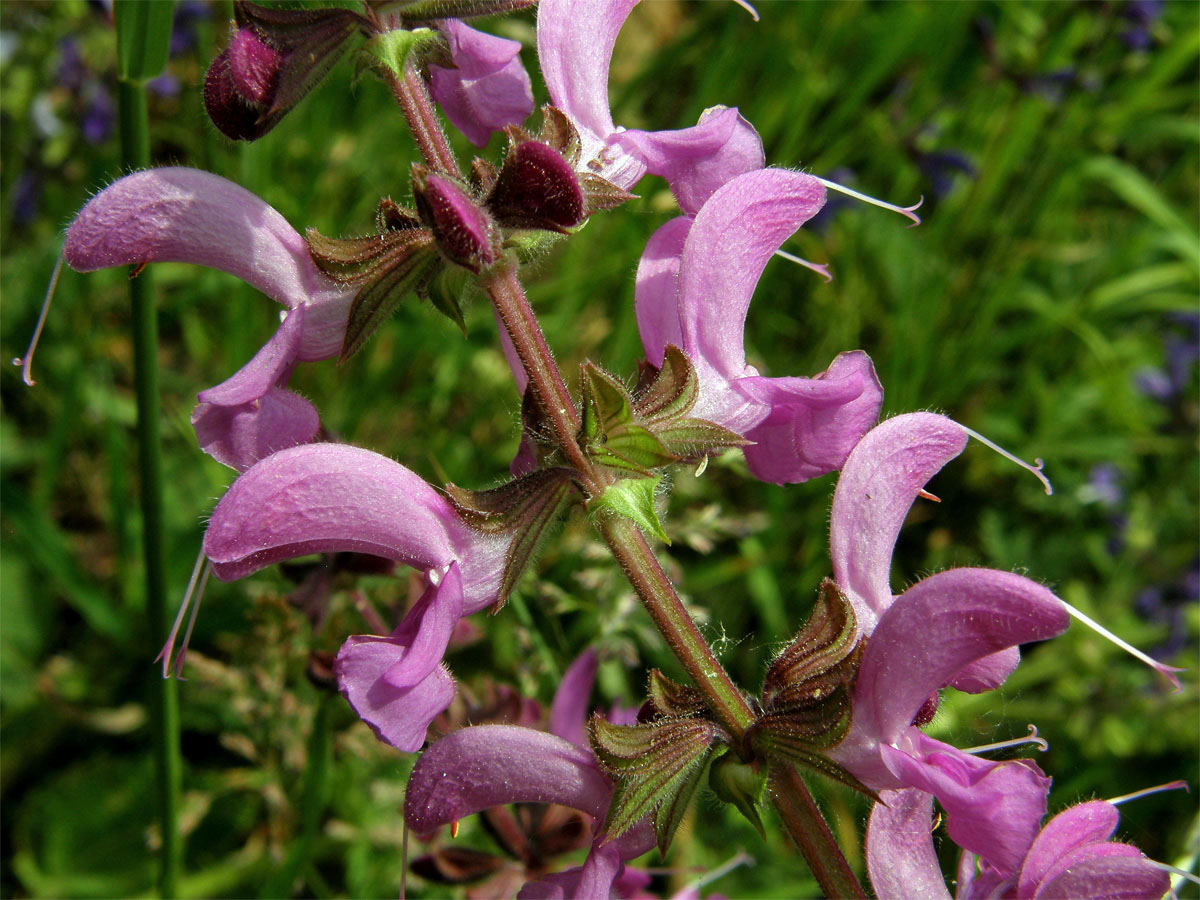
537, 188
254, 66
464, 232
231, 114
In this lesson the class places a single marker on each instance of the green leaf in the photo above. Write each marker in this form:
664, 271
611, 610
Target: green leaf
393, 49
632, 448
606, 403
143, 37
633, 498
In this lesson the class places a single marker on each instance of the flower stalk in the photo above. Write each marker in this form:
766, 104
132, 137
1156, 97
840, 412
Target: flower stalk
135, 152
427, 131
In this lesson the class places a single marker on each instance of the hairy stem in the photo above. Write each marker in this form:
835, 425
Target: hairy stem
658, 595
508, 297
423, 121
803, 821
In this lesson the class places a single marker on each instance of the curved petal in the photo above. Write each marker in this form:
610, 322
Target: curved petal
575, 44
1120, 876
595, 878
881, 477
656, 295
185, 215
815, 422
901, 860
426, 630
489, 765
988, 673
1078, 826
568, 712
239, 436
271, 366
698, 160
488, 90
993, 809
328, 497
935, 629
399, 716
734, 235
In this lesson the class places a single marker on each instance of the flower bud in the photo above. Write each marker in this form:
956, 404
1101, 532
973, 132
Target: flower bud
537, 188
465, 233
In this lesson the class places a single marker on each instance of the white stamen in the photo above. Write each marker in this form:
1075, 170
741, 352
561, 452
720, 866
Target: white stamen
1091, 623
821, 269
168, 649
703, 465
187, 635
906, 211
26, 361
1036, 468
748, 8
1031, 738
741, 858
1146, 792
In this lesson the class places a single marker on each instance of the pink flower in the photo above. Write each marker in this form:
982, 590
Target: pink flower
185, 215
333, 497
694, 285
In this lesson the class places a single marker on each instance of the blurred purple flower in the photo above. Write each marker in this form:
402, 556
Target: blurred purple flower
941, 167
26, 197
184, 34
72, 73
100, 117
1141, 15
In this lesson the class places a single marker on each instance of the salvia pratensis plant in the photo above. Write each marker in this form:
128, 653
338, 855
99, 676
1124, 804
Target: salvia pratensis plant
844, 699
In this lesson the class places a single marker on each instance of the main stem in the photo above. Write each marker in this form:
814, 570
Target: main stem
795, 804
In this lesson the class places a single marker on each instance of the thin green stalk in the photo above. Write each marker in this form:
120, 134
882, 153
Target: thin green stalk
135, 154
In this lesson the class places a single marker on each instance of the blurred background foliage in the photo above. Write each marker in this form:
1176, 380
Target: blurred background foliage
1049, 301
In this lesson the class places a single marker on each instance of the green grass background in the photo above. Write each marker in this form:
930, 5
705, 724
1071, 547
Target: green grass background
1037, 288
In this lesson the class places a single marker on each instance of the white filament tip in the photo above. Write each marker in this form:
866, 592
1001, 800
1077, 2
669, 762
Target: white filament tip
26, 361
909, 212
1036, 468
1167, 672
821, 269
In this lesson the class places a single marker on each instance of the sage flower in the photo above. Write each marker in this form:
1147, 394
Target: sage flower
488, 88
185, 215
694, 286
1072, 856
333, 497
575, 45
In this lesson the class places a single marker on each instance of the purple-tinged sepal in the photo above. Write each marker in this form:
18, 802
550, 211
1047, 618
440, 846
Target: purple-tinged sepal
276, 56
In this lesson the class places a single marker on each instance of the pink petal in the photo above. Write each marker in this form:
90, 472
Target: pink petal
698, 160
399, 716
988, 673
488, 90
900, 856
1119, 876
568, 712
489, 765
813, 423
240, 436
185, 215
271, 366
993, 808
427, 628
734, 235
575, 44
879, 481
1075, 827
935, 629
656, 296
329, 497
